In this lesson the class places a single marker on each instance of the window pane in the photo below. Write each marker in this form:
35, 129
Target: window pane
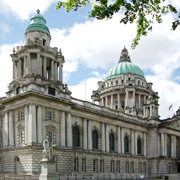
76, 138
111, 142
139, 146
126, 144
95, 139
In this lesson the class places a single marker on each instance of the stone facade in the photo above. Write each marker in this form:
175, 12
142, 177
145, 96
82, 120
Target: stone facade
122, 137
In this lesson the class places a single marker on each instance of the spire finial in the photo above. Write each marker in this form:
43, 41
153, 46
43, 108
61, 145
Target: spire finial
38, 11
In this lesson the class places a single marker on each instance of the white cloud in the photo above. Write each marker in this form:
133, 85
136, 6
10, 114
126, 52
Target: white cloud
22, 9
96, 43
68, 68
84, 89
4, 27
5, 68
98, 75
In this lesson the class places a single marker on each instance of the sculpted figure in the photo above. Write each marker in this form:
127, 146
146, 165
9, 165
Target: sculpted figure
48, 152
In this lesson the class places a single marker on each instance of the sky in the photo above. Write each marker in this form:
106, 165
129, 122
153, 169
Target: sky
91, 47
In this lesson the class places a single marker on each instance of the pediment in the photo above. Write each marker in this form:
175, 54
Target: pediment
172, 123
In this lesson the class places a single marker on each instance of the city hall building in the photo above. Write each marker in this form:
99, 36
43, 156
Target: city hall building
122, 137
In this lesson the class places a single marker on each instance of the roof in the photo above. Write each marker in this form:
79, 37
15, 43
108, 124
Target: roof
124, 66
38, 23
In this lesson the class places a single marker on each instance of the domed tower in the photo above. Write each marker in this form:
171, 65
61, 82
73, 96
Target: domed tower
36, 65
125, 89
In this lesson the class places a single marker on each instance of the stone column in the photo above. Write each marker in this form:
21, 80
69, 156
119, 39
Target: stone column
69, 131
24, 65
55, 71
118, 140
5, 130
52, 69
119, 103
139, 99
89, 136
111, 101
172, 146
39, 60
162, 144
60, 72
14, 77
19, 69
39, 124
26, 124
29, 64
135, 142
85, 134
32, 123
63, 128
144, 144
133, 99
107, 138
106, 101
102, 102
126, 99
44, 68
165, 144
122, 140
11, 129
132, 142
144, 99
102, 137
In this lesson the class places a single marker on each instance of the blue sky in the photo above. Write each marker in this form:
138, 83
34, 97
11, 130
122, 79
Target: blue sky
91, 47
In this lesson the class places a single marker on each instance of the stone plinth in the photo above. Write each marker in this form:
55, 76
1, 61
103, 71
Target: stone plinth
48, 170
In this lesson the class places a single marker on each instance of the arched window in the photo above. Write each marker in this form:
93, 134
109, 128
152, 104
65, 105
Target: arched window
95, 139
76, 137
126, 144
17, 165
139, 146
111, 142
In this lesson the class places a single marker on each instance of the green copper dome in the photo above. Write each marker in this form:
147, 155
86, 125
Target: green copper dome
38, 23
124, 66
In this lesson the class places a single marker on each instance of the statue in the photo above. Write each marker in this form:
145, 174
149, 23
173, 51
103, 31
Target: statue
48, 151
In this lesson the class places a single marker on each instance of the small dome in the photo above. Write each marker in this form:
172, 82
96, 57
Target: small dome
124, 66
38, 23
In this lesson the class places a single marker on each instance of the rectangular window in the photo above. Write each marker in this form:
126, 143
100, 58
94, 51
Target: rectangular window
132, 167
51, 91
49, 115
127, 167
95, 165
52, 136
101, 165
83, 165
112, 166
20, 115
140, 167
144, 167
75, 164
18, 90
118, 166
116, 81
21, 137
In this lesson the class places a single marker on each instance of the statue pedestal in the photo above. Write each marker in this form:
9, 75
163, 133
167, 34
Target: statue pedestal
48, 170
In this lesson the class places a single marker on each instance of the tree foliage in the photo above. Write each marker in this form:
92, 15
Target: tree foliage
143, 12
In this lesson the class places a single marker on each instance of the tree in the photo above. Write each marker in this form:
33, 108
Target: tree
143, 12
